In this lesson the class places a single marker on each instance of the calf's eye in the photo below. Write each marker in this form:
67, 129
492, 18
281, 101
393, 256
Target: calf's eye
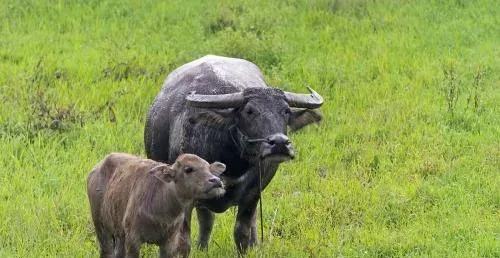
188, 170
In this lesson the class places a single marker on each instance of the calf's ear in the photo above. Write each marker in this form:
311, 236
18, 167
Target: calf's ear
301, 118
217, 168
164, 172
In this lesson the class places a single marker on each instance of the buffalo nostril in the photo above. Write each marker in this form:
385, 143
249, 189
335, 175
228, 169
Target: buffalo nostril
279, 138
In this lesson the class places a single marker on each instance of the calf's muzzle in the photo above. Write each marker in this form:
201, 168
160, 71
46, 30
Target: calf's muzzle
216, 182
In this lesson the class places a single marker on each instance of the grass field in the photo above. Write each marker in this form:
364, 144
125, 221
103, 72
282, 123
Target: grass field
405, 163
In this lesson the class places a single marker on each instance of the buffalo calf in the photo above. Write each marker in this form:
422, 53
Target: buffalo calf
135, 201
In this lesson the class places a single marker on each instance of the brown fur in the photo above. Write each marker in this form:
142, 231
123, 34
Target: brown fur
135, 201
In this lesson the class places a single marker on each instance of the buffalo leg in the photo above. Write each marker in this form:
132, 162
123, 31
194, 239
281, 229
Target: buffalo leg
245, 234
206, 223
253, 228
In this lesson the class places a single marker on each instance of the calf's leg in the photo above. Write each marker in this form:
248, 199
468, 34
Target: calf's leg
105, 242
179, 245
165, 251
132, 247
119, 247
183, 241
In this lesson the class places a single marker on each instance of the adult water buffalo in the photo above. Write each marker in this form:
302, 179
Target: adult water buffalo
221, 109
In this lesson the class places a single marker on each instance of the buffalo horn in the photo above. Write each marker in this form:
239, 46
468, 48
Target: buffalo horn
231, 100
310, 101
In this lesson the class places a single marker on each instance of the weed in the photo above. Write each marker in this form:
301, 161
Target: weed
45, 115
451, 88
223, 21
477, 90
358, 8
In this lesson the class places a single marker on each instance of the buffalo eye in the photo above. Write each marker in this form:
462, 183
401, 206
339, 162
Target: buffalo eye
188, 170
287, 111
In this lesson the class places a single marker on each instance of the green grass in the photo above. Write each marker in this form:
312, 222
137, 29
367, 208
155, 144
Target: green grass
405, 163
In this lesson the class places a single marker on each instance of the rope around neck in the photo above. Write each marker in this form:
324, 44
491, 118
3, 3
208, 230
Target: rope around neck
246, 139
260, 204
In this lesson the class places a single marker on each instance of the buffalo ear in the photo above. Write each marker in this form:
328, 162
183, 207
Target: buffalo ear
217, 168
300, 118
214, 118
164, 172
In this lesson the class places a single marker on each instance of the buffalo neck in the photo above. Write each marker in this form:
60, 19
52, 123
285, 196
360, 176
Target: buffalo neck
246, 190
